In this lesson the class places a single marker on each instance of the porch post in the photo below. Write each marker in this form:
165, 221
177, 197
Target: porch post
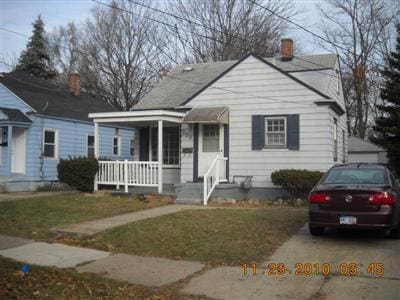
160, 156
10, 149
96, 152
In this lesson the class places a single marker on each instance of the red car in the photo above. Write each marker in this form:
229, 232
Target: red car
356, 196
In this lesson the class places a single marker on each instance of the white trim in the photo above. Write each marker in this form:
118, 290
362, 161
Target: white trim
268, 146
137, 113
56, 143
139, 119
11, 92
87, 144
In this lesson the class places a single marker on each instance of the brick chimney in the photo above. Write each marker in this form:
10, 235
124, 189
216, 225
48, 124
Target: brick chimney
74, 84
286, 49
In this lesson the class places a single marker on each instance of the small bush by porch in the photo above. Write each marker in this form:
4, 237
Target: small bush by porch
227, 236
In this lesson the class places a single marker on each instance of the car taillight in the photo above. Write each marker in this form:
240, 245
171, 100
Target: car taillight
382, 198
319, 198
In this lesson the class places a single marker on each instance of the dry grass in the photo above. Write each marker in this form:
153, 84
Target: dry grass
216, 236
34, 217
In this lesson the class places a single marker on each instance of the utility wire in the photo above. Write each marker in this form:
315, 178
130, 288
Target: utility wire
195, 33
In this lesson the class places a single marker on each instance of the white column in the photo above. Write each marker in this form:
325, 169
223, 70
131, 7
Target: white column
96, 151
96, 140
160, 156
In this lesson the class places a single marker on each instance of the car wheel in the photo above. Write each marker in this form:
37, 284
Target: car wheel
395, 233
316, 230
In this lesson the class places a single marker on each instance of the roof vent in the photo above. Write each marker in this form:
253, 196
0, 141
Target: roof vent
186, 69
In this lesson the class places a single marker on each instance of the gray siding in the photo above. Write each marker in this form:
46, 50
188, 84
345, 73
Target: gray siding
259, 80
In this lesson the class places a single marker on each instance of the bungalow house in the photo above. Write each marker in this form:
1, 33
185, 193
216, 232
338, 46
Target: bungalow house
222, 128
41, 123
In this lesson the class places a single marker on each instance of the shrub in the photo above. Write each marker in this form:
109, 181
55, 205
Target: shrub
78, 172
298, 183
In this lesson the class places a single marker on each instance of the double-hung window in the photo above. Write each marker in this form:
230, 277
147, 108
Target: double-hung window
50, 143
117, 146
275, 132
90, 145
132, 147
171, 149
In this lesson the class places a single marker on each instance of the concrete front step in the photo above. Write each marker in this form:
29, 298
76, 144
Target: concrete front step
191, 192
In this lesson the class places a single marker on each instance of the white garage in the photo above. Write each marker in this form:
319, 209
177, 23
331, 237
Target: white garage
365, 152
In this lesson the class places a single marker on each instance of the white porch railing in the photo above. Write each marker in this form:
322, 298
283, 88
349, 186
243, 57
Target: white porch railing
213, 177
128, 173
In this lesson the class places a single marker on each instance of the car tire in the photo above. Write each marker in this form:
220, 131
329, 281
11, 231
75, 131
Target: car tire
395, 233
316, 230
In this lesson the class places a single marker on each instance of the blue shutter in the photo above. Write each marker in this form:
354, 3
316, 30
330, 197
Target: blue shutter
293, 132
144, 144
257, 132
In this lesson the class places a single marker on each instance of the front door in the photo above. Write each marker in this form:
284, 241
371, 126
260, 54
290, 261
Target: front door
18, 150
211, 144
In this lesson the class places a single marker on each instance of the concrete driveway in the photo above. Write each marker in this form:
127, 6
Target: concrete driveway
359, 248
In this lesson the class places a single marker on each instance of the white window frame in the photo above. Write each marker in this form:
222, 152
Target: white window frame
87, 144
119, 145
132, 147
56, 143
151, 158
266, 119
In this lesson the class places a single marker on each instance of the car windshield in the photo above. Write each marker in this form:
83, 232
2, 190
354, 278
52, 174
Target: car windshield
356, 176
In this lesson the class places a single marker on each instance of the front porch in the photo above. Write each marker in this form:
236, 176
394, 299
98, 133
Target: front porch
174, 147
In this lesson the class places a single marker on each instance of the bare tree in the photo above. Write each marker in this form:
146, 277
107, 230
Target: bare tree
360, 31
66, 50
116, 52
217, 30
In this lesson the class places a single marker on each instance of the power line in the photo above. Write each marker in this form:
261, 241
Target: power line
197, 24
309, 31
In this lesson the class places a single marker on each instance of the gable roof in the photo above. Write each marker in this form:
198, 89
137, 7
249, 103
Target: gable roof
49, 99
186, 81
359, 145
13, 115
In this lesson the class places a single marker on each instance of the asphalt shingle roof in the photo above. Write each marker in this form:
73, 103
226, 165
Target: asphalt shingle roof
14, 115
49, 99
186, 80
359, 145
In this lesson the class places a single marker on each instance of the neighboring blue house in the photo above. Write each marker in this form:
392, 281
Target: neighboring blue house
41, 123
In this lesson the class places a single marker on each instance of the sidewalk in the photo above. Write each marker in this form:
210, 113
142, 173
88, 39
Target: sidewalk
92, 227
148, 271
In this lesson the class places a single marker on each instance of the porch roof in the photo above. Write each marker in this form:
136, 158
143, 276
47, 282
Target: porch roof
12, 115
138, 116
213, 115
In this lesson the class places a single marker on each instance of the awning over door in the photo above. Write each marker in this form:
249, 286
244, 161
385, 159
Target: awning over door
209, 115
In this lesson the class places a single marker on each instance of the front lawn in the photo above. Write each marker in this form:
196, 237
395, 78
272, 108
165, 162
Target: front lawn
216, 236
34, 217
53, 283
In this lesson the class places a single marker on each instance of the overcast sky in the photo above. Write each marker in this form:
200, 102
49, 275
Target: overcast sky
18, 15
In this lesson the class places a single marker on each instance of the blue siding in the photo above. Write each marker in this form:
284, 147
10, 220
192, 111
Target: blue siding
72, 139
5, 156
10, 100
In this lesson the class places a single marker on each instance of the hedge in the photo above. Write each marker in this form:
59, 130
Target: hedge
78, 172
298, 183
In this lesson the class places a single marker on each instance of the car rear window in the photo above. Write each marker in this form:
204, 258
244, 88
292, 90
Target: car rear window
356, 176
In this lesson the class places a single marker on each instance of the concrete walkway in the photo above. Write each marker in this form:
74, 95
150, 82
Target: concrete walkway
45, 254
92, 227
148, 271
335, 249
